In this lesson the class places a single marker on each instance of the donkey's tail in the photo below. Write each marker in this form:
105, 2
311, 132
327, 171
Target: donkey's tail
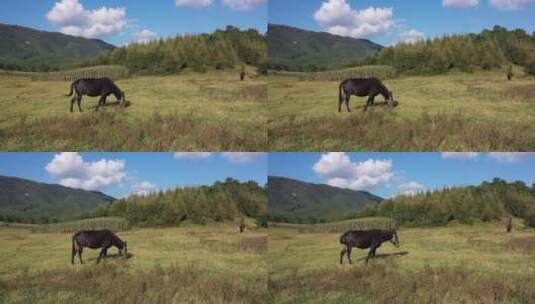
73, 252
340, 93
343, 238
72, 89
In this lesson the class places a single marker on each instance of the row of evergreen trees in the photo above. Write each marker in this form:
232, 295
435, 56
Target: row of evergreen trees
490, 201
222, 201
487, 50
221, 49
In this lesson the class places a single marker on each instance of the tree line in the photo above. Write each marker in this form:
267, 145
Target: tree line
488, 50
223, 201
221, 49
490, 201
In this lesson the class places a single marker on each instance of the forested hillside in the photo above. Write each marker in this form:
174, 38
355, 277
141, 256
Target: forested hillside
27, 49
27, 201
222, 201
221, 49
300, 202
490, 201
487, 50
295, 49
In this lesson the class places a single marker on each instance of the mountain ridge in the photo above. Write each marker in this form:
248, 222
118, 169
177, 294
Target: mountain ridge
292, 48
25, 48
294, 201
28, 200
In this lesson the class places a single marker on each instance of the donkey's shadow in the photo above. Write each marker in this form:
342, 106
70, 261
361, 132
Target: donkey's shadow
386, 255
379, 104
113, 104
115, 256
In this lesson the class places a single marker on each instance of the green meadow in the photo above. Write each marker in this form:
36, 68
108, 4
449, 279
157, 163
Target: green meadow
478, 111
479, 263
187, 112
191, 264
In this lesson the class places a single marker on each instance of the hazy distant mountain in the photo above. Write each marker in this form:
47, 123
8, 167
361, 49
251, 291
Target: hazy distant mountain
28, 48
291, 199
291, 48
25, 199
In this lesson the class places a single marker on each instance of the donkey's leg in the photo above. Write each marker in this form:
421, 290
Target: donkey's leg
349, 254
80, 250
73, 255
101, 255
369, 102
100, 102
348, 96
73, 100
79, 101
342, 253
369, 255
340, 102
102, 251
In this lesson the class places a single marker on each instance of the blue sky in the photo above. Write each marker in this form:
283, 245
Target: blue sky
119, 174
407, 20
125, 20
387, 174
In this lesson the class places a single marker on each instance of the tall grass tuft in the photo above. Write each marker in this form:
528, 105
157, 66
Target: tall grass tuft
341, 227
112, 223
111, 131
379, 71
383, 131
115, 283
114, 72
385, 283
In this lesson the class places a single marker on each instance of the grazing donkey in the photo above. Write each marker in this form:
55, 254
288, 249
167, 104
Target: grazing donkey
95, 239
242, 225
102, 87
509, 225
362, 87
242, 73
510, 73
363, 239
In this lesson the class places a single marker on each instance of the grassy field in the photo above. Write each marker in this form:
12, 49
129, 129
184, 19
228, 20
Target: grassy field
194, 264
212, 111
458, 112
455, 264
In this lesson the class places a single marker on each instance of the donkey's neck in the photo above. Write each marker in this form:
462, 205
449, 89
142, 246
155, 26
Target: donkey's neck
117, 242
384, 92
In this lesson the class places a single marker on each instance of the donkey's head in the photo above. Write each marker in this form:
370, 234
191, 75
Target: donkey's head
391, 101
395, 240
123, 249
123, 100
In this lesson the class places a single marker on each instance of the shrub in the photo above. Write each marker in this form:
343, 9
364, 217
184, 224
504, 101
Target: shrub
530, 69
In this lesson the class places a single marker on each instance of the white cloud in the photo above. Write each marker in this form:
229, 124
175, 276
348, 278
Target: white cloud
460, 3
193, 3
242, 157
338, 18
143, 188
192, 155
410, 188
243, 5
72, 171
511, 4
459, 155
144, 36
510, 157
411, 36
73, 19
343, 173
